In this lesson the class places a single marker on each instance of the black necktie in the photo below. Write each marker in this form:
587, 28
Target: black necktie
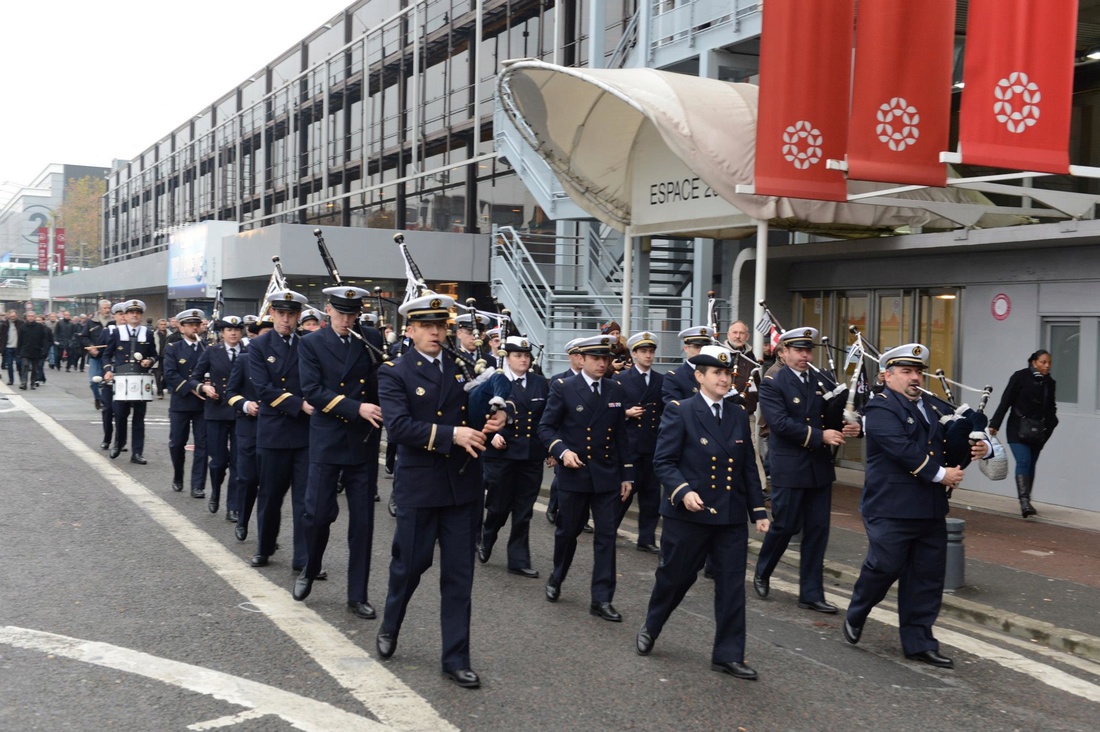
232, 355
805, 379
133, 333
286, 340
344, 340
520, 382
717, 412
195, 347
596, 388
646, 377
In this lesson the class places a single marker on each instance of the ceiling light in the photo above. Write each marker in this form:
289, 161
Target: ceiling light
1094, 54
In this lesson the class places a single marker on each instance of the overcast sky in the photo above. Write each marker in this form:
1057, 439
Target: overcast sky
86, 82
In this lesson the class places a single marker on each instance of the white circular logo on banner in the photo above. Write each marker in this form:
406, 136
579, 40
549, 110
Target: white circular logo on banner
802, 145
1017, 113
897, 124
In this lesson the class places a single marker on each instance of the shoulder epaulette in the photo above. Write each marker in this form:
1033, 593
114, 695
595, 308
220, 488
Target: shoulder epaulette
742, 407
388, 363
769, 376
674, 401
561, 381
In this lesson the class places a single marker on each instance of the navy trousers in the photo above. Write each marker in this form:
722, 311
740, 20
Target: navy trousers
417, 532
122, 411
685, 546
511, 489
794, 510
647, 489
573, 511
221, 447
912, 552
248, 479
322, 510
107, 413
282, 469
180, 426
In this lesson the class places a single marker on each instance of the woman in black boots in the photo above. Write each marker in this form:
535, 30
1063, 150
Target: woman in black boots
1032, 416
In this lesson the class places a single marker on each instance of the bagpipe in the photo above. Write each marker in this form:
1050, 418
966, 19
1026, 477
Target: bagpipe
833, 389
215, 316
275, 284
487, 387
377, 355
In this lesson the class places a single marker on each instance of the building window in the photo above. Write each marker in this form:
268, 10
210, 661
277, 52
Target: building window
1063, 340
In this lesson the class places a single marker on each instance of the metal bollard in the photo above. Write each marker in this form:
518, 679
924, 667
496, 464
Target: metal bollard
955, 576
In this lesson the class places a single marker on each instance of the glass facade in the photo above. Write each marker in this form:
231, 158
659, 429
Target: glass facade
382, 118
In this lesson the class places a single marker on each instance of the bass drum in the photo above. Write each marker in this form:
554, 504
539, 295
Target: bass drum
134, 387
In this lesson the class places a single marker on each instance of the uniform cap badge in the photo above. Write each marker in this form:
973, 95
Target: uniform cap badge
288, 297
349, 294
723, 357
196, 313
435, 303
917, 350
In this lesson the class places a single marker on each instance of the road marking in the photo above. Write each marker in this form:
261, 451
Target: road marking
1036, 552
382, 693
260, 699
1001, 656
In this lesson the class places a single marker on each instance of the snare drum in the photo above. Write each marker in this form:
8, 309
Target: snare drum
134, 387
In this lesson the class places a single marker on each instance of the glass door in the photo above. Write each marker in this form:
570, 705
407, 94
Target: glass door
851, 309
938, 330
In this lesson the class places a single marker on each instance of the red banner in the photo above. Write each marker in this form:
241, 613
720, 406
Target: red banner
901, 96
59, 248
805, 70
1019, 84
43, 249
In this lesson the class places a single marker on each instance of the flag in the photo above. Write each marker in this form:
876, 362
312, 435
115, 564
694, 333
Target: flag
802, 117
1018, 71
765, 324
901, 92
775, 337
863, 388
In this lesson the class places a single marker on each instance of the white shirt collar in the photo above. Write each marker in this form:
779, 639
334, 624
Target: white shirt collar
710, 402
588, 380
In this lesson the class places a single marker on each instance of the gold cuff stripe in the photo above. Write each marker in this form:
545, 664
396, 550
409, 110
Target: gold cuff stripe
280, 399
809, 434
920, 466
233, 400
182, 383
332, 404
672, 498
431, 438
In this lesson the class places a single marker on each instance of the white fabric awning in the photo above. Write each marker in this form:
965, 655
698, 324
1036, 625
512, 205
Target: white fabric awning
655, 152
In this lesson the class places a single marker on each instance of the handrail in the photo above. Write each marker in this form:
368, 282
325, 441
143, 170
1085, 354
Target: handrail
627, 41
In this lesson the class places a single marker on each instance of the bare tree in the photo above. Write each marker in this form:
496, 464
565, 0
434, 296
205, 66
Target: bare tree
81, 214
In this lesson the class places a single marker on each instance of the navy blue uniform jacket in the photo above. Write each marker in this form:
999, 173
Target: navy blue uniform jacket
904, 454
215, 361
120, 349
642, 432
520, 436
180, 375
679, 384
795, 414
239, 390
273, 366
336, 380
594, 428
695, 453
421, 408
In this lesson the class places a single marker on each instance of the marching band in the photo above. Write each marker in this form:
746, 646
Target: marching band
296, 400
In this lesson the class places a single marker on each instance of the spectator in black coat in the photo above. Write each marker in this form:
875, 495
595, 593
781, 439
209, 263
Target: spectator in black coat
35, 340
9, 343
1032, 416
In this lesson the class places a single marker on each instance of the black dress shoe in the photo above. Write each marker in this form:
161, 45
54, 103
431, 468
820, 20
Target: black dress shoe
363, 610
115, 452
22, 387
649, 548
932, 658
231, 516
552, 515
198, 493
464, 677
241, 532
707, 574
483, 553
177, 485
587, 528
302, 587
386, 643
553, 588
606, 611
138, 459
643, 644
259, 561
524, 572
762, 585
212, 505
105, 445
392, 506
736, 669
819, 607
322, 575
851, 632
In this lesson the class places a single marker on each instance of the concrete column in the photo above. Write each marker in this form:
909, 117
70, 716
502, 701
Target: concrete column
702, 275
597, 46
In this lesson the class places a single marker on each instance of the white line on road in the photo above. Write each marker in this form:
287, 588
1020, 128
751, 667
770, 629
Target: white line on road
987, 651
303, 713
382, 693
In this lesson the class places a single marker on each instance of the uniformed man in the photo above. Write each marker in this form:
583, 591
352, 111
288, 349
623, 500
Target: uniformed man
576, 364
464, 333
492, 347
90, 340
241, 395
584, 428
249, 321
642, 388
438, 482
215, 366
801, 469
514, 462
282, 432
706, 465
339, 378
129, 350
904, 505
185, 412
310, 320
680, 383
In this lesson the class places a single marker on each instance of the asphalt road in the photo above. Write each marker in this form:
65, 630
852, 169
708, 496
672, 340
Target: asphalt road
126, 606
